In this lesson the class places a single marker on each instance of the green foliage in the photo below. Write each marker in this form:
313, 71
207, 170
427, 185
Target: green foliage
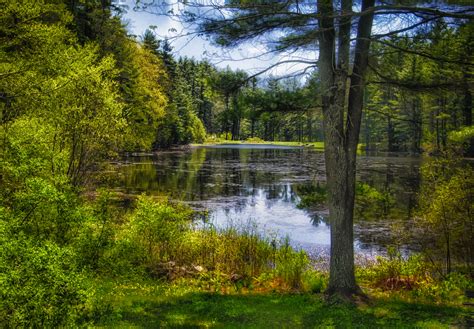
97, 234
427, 99
372, 203
463, 135
76, 90
290, 265
450, 289
414, 278
156, 228
158, 239
39, 284
215, 138
198, 132
254, 140
315, 281
463, 140
395, 272
446, 201
147, 103
189, 108
240, 251
312, 195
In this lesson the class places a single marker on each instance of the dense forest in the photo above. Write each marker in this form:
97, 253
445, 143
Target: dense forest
77, 91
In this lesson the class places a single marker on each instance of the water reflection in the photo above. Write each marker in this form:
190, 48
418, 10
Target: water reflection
238, 183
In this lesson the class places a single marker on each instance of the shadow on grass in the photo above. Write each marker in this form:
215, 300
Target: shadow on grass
206, 310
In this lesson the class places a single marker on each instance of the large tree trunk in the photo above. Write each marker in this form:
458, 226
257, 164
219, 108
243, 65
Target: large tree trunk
342, 136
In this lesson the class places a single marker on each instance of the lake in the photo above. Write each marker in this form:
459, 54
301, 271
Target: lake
258, 184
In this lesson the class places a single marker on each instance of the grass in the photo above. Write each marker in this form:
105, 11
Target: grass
315, 145
152, 305
235, 278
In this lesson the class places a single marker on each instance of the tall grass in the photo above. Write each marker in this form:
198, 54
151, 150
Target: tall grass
160, 240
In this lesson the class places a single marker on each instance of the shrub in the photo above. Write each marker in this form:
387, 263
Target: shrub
97, 233
445, 217
290, 265
395, 273
198, 132
254, 140
449, 289
156, 228
39, 286
160, 239
314, 281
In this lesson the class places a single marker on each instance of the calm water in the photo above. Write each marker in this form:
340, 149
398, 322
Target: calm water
241, 184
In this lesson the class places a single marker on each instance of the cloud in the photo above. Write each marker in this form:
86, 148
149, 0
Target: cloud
251, 57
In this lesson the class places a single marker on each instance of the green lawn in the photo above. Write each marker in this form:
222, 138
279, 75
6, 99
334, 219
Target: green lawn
316, 145
165, 306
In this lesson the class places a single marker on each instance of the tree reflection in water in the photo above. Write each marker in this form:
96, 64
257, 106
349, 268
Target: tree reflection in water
260, 183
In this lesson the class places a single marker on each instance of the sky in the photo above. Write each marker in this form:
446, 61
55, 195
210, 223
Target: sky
198, 47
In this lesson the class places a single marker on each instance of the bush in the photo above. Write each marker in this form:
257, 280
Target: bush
160, 240
156, 228
198, 132
449, 289
254, 140
445, 217
97, 234
463, 139
39, 286
395, 273
291, 265
414, 277
314, 281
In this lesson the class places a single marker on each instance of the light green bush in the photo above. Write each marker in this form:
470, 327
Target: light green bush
39, 284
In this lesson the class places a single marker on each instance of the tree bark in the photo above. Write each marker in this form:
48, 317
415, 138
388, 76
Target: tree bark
341, 138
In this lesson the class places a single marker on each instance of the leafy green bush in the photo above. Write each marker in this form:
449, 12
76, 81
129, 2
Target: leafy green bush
314, 281
213, 138
462, 140
39, 284
414, 277
449, 289
198, 132
160, 239
156, 228
395, 273
445, 218
254, 140
97, 234
290, 265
